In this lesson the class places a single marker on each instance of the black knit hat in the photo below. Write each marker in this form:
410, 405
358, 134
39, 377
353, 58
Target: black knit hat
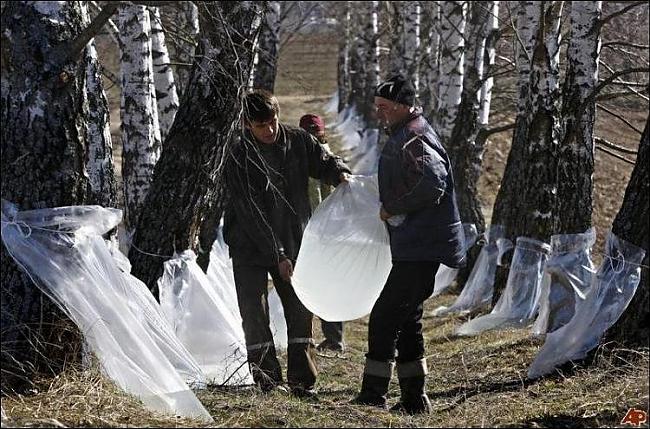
397, 89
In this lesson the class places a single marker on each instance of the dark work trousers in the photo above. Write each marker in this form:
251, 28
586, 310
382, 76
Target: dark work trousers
332, 331
396, 318
251, 282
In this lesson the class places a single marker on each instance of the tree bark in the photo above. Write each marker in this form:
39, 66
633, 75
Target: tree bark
450, 80
429, 52
343, 66
47, 124
138, 111
268, 50
188, 177
188, 22
166, 94
631, 224
405, 40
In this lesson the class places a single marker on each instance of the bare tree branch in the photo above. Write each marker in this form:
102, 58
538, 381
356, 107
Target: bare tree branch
611, 79
613, 95
617, 81
79, 43
616, 115
615, 155
623, 43
602, 141
612, 15
112, 28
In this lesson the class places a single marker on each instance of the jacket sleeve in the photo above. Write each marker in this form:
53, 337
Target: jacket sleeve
423, 182
323, 164
248, 204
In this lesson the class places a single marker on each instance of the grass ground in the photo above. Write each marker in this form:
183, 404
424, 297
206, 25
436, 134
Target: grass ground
477, 381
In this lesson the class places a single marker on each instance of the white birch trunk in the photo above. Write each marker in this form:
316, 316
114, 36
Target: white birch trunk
343, 73
429, 48
450, 82
139, 113
166, 94
269, 46
404, 56
489, 58
528, 16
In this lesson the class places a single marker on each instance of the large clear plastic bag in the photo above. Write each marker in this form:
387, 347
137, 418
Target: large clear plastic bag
612, 289
203, 321
345, 257
63, 252
477, 292
567, 280
221, 276
446, 275
518, 302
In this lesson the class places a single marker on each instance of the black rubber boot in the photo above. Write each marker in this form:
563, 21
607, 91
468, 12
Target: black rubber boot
414, 399
373, 391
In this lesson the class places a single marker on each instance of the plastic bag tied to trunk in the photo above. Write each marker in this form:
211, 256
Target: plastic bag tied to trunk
477, 292
567, 280
518, 302
203, 321
62, 250
345, 257
612, 289
446, 275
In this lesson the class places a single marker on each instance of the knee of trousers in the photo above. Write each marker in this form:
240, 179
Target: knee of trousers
415, 368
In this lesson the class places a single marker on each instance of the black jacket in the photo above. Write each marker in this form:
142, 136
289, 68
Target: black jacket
268, 206
416, 180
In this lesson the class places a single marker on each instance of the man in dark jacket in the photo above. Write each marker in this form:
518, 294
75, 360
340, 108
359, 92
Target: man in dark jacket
416, 189
267, 212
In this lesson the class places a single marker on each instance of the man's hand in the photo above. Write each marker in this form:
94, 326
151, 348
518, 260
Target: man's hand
383, 214
344, 178
286, 270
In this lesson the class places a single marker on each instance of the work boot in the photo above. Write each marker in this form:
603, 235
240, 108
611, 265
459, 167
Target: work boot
414, 399
373, 391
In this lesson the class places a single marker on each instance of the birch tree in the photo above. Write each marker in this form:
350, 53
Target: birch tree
429, 53
138, 109
631, 224
46, 103
343, 64
188, 28
186, 186
266, 67
450, 80
405, 43
165, 84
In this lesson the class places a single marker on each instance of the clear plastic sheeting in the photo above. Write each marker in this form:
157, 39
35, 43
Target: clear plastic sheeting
446, 275
144, 306
366, 163
345, 257
63, 252
477, 292
612, 289
278, 323
203, 322
569, 271
518, 302
221, 277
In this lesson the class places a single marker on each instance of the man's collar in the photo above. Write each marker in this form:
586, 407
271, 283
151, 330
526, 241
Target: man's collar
412, 115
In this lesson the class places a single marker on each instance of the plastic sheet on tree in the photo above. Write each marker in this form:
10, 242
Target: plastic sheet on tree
145, 307
344, 258
203, 322
221, 276
332, 105
612, 289
567, 280
446, 275
518, 302
63, 252
278, 324
477, 292
367, 161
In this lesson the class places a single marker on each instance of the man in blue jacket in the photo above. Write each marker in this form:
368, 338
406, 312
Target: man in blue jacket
416, 189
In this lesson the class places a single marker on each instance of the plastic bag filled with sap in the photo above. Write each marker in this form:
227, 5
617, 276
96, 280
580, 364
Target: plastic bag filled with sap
345, 257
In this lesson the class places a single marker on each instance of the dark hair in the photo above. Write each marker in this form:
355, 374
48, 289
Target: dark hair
260, 106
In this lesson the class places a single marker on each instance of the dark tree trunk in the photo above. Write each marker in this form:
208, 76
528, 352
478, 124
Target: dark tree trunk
631, 224
47, 116
187, 178
269, 46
